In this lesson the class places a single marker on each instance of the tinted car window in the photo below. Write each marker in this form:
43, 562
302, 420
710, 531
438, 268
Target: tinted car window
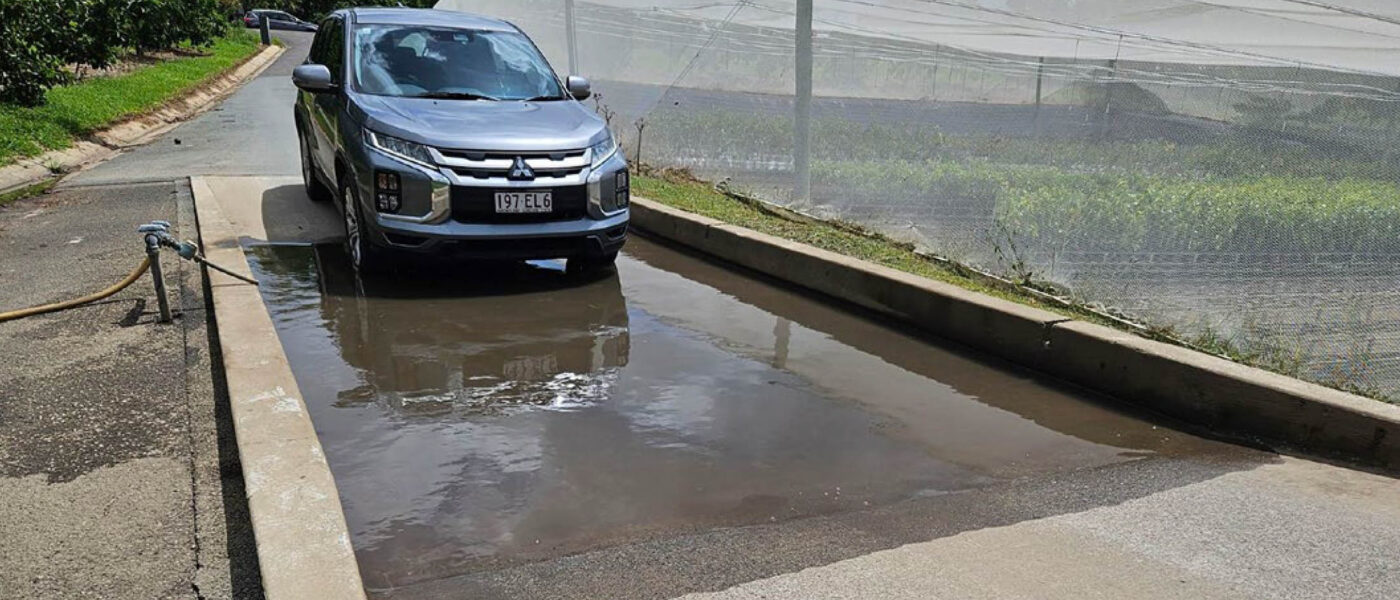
395, 60
317, 54
334, 50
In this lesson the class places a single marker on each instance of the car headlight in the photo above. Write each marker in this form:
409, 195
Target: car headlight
410, 151
604, 150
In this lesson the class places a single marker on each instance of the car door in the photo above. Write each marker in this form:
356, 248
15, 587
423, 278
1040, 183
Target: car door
309, 130
281, 20
324, 109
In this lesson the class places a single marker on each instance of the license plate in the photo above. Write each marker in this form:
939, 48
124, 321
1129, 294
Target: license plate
524, 202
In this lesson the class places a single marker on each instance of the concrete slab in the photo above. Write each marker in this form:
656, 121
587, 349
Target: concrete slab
303, 546
1213, 539
273, 209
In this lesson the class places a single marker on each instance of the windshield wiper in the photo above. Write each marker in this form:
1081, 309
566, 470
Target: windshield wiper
455, 96
540, 98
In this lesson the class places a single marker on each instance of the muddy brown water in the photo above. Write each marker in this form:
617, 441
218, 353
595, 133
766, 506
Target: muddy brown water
479, 416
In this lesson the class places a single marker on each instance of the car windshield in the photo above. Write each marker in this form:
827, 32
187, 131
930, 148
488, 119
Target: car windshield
433, 62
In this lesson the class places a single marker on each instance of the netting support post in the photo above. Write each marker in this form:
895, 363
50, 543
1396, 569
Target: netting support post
802, 105
571, 36
1039, 77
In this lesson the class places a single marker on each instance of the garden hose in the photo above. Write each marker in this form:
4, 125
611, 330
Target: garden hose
156, 235
57, 306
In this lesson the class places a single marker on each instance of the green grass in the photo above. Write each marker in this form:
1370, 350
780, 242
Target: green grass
80, 109
1054, 207
1232, 195
680, 191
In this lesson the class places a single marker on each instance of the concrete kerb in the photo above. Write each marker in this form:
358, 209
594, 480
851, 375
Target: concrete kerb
1196, 388
303, 544
85, 153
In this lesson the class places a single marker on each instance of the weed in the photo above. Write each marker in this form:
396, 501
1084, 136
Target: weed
27, 192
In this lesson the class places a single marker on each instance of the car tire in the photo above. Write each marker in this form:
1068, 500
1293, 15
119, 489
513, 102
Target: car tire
315, 190
590, 265
364, 256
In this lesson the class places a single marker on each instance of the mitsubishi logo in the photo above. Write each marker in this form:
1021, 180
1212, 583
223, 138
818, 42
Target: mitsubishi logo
520, 170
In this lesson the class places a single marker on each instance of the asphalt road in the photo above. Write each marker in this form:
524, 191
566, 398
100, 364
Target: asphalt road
119, 478
666, 431
242, 136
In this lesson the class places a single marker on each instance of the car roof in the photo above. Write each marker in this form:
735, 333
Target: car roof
430, 17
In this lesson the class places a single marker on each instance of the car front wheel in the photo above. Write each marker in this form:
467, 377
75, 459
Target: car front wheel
364, 255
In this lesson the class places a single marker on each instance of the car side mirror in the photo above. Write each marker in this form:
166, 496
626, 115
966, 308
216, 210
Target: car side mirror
313, 78
579, 87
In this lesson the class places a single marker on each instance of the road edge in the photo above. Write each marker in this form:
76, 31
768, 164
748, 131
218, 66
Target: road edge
303, 544
1197, 388
134, 131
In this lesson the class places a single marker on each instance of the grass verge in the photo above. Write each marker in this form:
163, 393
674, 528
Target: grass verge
73, 111
680, 190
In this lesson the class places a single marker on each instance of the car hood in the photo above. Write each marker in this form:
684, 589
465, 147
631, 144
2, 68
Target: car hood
482, 124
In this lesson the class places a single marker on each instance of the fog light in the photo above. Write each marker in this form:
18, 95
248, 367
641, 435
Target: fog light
386, 192
623, 190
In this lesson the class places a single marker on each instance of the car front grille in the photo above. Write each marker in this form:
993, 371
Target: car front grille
491, 165
478, 205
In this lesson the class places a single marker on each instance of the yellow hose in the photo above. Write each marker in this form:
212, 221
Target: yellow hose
48, 308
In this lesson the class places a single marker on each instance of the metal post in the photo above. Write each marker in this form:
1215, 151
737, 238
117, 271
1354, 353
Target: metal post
571, 36
153, 253
1103, 125
1039, 76
802, 110
263, 30
933, 89
1112, 78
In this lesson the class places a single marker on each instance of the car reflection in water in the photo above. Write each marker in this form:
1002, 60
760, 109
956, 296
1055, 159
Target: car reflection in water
487, 338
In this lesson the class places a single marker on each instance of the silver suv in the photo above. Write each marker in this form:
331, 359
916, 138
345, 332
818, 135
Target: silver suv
449, 133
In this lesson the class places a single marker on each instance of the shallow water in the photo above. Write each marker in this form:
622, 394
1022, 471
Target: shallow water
476, 416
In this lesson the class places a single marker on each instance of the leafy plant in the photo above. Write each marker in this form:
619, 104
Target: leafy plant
100, 33
40, 37
31, 59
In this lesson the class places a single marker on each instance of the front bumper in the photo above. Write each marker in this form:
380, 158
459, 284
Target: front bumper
425, 222
554, 239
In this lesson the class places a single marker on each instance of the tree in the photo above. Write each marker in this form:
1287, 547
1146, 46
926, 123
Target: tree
30, 59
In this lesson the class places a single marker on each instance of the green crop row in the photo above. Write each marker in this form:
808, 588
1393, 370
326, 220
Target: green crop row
1143, 213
